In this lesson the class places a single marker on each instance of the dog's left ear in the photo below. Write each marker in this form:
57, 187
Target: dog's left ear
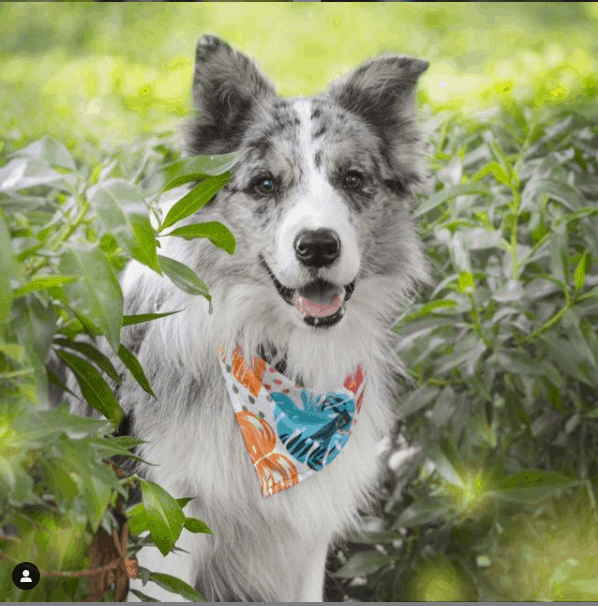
382, 92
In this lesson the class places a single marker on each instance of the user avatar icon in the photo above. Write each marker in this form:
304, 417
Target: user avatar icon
25, 578
25, 575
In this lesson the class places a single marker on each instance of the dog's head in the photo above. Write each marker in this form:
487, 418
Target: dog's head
319, 202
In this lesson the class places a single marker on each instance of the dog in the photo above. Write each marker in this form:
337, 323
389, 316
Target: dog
327, 256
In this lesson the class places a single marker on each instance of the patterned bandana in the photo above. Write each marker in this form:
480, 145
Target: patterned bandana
289, 432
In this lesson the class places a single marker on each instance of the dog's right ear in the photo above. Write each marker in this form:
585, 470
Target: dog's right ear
227, 91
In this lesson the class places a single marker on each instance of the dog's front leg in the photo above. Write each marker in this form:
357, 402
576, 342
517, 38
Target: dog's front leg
312, 589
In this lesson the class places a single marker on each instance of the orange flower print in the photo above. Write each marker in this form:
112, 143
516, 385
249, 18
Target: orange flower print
275, 471
259, 436
250, 377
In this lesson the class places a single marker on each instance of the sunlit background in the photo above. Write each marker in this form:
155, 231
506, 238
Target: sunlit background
109, 71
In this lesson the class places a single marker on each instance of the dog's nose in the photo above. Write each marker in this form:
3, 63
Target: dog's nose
317, 248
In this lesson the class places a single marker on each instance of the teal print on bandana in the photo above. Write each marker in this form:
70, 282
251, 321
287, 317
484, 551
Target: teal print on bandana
316, 434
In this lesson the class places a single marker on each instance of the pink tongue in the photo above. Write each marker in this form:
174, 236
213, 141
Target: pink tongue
317, 310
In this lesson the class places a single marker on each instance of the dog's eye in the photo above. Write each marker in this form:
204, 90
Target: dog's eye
354, 180
265, 186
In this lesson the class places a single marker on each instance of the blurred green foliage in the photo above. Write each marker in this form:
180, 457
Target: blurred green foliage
104, 72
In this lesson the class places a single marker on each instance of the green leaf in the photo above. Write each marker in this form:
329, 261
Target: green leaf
559, 253
518, 363
184, 501
23, 173
34, 325
43, 283
580, 271
15, 481
139, 522
418, 514
444, 408
582, 337
97, 295
132, 363
165, 516
139, 319
52, 378
466, 283
197, 526
480, 238
93, 387
511, 290
500, 174
123, 214
144, 575
430, 308
582, 213
364, 563
137, 519
417, 400
49, 150
465, 356
193, 169
16, 352
96, 481
91, 352
184, 277
175, 585
218, 234
448, 193
59, 479
587, 586
532, 485
498, 153
560, 191
446, 461
199, 196
571, 359
142, 597
107, 447
98, 484
372, 537
39, 429
7, 264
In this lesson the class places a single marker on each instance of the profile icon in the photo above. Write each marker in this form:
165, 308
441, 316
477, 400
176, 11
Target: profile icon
25, 575
25, 578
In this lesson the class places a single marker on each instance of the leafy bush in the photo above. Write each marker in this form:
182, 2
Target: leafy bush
504, 357
498, 501
65, 232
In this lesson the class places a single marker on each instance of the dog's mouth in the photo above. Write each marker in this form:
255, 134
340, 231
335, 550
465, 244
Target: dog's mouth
321, 303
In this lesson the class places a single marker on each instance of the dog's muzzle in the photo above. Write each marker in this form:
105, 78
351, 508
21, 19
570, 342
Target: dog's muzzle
321, 303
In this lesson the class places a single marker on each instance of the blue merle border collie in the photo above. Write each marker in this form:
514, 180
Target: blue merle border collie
327, 257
